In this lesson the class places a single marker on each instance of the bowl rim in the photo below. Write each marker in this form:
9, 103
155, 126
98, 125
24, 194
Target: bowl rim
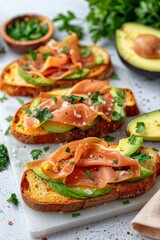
10, 40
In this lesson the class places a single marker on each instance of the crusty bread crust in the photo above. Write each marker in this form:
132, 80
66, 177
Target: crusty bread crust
100, 72
123, 190
39, 135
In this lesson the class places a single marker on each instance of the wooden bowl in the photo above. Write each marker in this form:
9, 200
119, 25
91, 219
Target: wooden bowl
23, 46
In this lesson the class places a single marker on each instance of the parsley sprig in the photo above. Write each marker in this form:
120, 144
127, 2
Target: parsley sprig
43, 114
13, 199
72, 99
98, 99
36, 153
4, 158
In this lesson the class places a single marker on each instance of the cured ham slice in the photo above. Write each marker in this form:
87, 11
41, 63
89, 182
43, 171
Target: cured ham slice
88, 162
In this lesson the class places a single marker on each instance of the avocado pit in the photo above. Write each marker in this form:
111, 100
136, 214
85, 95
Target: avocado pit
147, 46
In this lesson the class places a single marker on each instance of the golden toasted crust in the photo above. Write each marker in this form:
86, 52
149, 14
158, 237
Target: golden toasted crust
13, 88
39, 135
38, 194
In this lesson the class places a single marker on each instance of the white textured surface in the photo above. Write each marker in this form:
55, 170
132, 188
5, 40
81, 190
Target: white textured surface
148, 96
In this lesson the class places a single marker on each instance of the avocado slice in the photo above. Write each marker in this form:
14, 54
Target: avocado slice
125, 38
126, 148
56, 127
144, 174
73, 192
37, 81
118, 113
35, 102
99, 60
151, 122
80, 73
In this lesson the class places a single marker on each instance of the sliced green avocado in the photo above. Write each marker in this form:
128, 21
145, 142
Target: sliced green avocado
151, 123
118, 113
144, 174
73, 192
56, 127
126, 148
125, 38
99, 60
80, 73
35, 102
35, 81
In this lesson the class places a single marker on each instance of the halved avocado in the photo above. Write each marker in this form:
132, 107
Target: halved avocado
125, 38
56, 127
37, 81
151, 123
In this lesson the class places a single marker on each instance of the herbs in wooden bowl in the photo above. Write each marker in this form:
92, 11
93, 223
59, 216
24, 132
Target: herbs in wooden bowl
27, 31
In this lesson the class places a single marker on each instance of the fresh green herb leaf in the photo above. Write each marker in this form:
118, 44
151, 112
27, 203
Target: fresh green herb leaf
140, 127
20, 100
118, 100
36, 153
121, 93
33, 55
4, 158
72, 99
141, 157
115, 76
76, 214
28, 111
45, 149
7, 131
2, 50
132, 140
148, 78
46, 55
109, 138
88, 172
13, 199
64, 50
117, 116
126, 201
54, 99
67, 25
155, 149
43, 114
9, 118
72, 162
94, 96
116, 179
85, 52
101, 100
3, 98
68, 150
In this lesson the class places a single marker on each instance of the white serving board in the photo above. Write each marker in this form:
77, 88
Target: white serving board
40, 224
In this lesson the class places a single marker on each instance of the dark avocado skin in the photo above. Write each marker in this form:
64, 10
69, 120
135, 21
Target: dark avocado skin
139, 70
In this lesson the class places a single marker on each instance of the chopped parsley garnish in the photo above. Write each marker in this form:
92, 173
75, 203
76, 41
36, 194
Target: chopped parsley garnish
72, 162
33, 55
132, 140
117, 116
88, 172
140, 127
118, 100
43, 114
115, 76
7, 131
9, 118
68, 150
54, 99
109, 138
45, 55
116, 179
36, 153
4, 158
85, 52
155, 149
64, 50
20, 100
96, 96
126, 201
72, 99
121, 93
45, 149
76, 214
141, 157
13, 199
28, 111
3, 98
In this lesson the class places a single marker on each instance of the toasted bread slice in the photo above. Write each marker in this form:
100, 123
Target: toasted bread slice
38, 194
14, 85
39, 135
